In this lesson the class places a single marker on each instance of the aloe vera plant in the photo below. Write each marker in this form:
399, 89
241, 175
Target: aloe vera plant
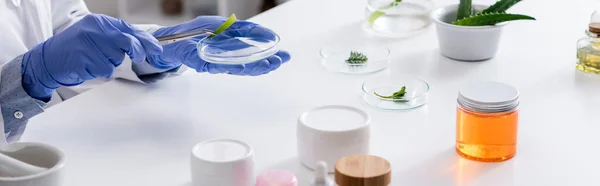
465, 9
501, 6
490, 16
490, 19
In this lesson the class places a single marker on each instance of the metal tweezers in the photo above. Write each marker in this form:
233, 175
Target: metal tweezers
182, 36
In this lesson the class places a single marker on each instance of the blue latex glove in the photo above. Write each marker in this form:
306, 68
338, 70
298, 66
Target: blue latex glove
185, 52
90, 48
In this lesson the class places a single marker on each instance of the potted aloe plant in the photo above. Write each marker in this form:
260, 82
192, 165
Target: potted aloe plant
470, 32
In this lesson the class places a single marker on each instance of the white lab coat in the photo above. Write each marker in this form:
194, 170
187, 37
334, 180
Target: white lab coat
26, 23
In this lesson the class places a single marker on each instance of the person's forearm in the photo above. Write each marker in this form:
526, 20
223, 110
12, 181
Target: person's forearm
16, 105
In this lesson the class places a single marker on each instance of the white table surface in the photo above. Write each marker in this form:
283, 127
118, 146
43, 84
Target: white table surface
123, 134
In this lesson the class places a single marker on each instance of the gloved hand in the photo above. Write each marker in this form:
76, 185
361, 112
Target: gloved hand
90, 48
185, 52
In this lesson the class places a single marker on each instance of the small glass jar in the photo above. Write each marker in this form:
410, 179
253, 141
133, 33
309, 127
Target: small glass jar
588, 48
486, 122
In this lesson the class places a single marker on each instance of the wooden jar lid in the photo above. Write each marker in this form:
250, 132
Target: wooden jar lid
594, 28
363, 170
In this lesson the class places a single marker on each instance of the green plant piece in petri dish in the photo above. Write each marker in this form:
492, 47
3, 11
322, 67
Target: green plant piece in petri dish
379, 13
397, 96
357, 58
232, 19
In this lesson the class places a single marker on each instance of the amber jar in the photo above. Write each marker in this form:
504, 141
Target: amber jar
486, 122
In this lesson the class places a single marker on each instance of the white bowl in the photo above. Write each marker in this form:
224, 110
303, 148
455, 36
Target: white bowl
465, 43
41, 155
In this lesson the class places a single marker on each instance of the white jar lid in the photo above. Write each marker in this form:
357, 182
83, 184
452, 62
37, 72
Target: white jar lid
335, 118
489, 97
222, 150
217, 156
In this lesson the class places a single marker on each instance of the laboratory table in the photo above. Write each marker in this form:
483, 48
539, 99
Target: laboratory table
124, 133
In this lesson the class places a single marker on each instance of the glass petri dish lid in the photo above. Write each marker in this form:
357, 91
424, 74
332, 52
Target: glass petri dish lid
398, 19
335, 59
416, 92
238, 47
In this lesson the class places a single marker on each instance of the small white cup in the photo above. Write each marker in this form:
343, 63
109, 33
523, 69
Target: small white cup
465, 43
40, 155
222, 162
329, 133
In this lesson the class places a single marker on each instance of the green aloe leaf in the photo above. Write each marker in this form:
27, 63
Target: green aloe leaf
501, 6
379, 13
374, 16
491, 19
465, 9
232, 19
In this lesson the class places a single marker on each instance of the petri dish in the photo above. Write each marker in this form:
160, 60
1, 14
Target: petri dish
229, 48
398, 19
416, 92
334, 59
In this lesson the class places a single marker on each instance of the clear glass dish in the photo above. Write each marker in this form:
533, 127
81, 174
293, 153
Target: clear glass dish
400, 19
334, 59
226, 48
416, 92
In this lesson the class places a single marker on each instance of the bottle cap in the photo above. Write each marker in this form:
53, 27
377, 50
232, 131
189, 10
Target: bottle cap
489, 97
594, 28
321, 178
363, 170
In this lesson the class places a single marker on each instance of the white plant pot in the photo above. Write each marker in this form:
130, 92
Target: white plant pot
465, 43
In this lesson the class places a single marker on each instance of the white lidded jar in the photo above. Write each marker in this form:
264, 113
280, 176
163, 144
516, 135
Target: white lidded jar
222, 162
329, 133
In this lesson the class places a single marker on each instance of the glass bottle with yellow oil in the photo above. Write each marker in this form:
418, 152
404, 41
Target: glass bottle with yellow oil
588, 48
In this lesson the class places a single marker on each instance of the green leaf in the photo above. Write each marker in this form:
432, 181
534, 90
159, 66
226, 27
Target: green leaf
379, 13
374, 16
490, 19
395, 95
357, 58
465, 9
385, 97
400, 93
232, 19
501, 6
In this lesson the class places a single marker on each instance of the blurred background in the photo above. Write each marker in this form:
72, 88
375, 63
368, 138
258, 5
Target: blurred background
169, 12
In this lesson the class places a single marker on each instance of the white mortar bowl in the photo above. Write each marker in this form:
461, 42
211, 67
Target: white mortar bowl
465, 43
40, 155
